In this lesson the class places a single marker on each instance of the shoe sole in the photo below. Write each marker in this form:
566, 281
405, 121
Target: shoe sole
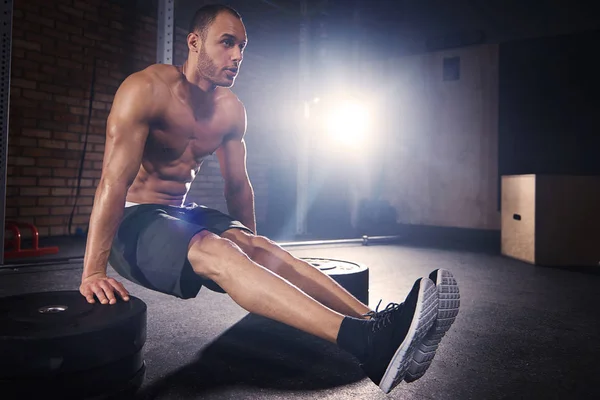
448, 306
423, 319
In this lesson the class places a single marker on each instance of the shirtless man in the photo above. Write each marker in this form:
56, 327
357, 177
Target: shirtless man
164, 121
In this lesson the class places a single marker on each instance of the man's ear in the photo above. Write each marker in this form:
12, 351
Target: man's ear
194, 42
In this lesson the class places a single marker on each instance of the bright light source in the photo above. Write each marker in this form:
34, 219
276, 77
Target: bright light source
348, 123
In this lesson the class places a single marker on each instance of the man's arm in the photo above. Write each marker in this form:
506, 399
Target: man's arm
127, 130
239, 194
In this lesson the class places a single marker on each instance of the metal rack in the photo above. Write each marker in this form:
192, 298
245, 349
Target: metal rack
6, 44
165, 28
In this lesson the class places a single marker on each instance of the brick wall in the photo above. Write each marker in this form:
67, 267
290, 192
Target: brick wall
54, 48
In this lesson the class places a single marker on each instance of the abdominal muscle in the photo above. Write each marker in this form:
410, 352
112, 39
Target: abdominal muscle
167, 186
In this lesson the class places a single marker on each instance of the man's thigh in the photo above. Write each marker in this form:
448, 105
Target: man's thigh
151, 249
242, 238
215, 221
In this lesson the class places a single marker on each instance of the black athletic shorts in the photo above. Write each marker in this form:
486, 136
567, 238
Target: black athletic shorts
151, 245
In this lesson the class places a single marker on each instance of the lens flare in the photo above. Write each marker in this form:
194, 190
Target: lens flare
348, 124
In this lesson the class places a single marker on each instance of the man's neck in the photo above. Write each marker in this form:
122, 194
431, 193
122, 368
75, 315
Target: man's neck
199, 95
191, 74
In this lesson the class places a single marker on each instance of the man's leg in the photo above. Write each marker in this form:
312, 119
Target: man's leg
309, 279
383, 346
259, 290
325, 290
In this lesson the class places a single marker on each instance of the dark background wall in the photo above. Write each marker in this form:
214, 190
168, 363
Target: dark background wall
549, 105
547, 85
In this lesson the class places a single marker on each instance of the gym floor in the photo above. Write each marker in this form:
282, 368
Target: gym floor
523, 332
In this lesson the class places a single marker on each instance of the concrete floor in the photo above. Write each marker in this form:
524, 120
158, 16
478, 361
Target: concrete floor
523, 332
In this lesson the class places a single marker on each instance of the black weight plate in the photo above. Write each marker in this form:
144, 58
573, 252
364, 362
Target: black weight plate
351, 276
38, 315
336, 267
52, 333
118, 379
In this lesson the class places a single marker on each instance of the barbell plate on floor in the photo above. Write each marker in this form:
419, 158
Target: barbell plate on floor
117, 380
53, 342
351, 276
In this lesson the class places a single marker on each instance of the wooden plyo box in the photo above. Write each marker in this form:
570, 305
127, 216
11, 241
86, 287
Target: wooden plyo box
551, 220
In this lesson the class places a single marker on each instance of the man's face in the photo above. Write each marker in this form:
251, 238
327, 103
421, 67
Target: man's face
220, 56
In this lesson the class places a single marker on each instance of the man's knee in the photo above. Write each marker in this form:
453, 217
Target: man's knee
249, 243
208, 253
264, 243
270, 255
262, 250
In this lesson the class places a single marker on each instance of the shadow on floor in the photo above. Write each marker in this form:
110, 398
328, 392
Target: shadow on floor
448, 238
594, 271
261, 353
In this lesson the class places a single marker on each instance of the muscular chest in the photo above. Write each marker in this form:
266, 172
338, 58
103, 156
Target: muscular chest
188, 136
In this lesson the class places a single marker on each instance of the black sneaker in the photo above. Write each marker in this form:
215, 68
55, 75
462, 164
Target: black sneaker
448, 305
395, 334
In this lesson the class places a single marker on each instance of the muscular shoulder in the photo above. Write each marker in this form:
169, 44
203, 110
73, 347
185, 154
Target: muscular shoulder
158, 77
233, 110
154, 80
149, 89
167, 74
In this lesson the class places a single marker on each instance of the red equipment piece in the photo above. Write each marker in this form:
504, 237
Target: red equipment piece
13, 246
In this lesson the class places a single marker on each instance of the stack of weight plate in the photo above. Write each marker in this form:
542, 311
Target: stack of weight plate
56, 345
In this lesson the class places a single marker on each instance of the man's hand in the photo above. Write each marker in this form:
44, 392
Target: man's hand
103, 287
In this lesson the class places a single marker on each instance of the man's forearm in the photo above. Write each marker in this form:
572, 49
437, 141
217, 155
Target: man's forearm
240, 203
104, 221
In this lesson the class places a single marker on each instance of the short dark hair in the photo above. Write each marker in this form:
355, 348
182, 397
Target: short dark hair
206, 15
